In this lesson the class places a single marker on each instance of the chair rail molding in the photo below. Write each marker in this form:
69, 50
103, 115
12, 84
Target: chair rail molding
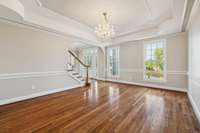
31, 75
170, 72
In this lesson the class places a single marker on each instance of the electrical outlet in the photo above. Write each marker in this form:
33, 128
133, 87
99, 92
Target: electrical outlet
33, 87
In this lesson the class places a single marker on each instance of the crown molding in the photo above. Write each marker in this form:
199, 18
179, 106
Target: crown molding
14, 5
38, 2
39, 17
129, 40
194, 11
47, 30
187, 13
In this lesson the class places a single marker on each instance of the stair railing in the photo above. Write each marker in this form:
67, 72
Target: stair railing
84, 65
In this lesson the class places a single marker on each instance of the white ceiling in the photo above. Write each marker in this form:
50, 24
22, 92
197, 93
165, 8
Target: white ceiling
126, 15
133, 19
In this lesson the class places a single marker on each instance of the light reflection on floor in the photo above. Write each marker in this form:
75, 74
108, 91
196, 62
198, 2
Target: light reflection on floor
154, 110
92, 94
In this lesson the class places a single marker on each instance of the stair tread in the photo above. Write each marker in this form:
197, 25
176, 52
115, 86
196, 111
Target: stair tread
75, 73
79, 76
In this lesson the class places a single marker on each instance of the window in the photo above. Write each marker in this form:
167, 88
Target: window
155, 60
113, 61
90, 58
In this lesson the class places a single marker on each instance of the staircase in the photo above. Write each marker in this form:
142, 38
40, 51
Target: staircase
74, 74
75, 67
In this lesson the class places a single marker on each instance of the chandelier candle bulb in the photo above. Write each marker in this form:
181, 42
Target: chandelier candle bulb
105, 30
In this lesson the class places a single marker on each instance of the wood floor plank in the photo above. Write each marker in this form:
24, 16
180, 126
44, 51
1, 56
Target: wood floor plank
104, 107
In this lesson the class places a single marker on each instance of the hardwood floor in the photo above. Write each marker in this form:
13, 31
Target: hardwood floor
104, 107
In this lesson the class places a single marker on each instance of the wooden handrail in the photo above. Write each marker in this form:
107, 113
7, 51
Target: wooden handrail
77, 59
85, 65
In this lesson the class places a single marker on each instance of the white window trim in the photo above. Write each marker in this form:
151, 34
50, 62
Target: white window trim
108, 73
164, 80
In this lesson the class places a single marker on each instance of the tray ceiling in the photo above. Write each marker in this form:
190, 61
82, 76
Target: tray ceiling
126, 15
133, 19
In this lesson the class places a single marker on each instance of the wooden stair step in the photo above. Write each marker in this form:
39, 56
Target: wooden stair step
79, 76
75, 73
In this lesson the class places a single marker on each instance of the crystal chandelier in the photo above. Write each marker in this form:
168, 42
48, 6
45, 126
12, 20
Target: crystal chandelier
105, 30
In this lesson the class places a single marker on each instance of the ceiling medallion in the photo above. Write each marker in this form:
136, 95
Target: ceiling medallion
105, 30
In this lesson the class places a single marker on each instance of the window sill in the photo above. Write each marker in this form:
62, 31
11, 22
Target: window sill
156, 80
116, 77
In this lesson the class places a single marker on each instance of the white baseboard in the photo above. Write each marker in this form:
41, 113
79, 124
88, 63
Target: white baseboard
194, 106
97, 78
21, 98
150, 85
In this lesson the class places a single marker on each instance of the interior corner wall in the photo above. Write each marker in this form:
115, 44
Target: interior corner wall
194, 61
131, 62
31, 61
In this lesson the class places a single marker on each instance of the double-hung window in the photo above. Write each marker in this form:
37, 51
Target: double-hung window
155, 60
113, 61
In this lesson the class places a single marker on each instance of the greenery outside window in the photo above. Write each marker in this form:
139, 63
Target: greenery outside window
155, 60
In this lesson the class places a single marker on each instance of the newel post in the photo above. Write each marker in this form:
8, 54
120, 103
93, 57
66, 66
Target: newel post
87, 76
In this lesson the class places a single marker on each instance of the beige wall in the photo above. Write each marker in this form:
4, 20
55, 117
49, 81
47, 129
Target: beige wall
28, 52
194, 61
131, 62
25, 50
